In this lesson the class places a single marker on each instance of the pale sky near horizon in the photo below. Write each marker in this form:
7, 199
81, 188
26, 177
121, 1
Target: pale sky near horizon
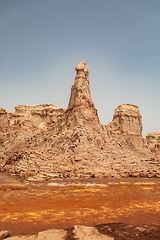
42, 41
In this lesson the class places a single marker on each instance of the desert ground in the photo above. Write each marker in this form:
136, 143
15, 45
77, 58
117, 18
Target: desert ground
33, 207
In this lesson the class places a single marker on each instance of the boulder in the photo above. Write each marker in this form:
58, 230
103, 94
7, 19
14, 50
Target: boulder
4, 234
51, 234
89, 233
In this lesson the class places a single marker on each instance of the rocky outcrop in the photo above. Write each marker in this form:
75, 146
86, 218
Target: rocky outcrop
126, 129
80, 92
127, 120
3, 119
85, 232
108, 231
4, 234
153, 141
78, 232
33, 116
44, 142
24, 122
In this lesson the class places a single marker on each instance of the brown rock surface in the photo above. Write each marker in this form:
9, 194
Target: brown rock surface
3, 119
43, 142
126, 129
108, 231
127, 120
78, 232
4, 234
33, 116
88, 233
153, 141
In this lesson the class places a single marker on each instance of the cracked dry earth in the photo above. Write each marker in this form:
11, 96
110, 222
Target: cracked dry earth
122, 208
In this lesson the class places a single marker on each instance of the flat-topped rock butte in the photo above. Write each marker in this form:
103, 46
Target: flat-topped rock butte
42, 142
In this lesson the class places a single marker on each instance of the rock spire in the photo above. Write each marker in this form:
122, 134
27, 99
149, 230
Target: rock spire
80, 92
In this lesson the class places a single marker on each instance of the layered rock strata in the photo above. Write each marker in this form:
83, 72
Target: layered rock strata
72, 143
126, 129
127, 120
153, 141
33, 117
3, 119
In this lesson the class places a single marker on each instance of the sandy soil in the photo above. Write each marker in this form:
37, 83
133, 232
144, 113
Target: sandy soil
33, 207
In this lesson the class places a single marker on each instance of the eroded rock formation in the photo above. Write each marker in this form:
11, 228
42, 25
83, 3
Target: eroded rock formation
3, 119
109, 231
153, 141
44, 142
126, 129
127, 120
30, 116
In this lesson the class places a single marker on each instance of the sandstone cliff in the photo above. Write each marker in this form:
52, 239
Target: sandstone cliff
126, 129
3, 119
30, 116
153, 141
44, 142
127, 120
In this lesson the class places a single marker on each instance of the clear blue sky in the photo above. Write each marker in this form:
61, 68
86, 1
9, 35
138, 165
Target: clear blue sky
41, 42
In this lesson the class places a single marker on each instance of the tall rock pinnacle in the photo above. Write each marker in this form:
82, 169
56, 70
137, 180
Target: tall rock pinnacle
81, 115
81, 111
80, 92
